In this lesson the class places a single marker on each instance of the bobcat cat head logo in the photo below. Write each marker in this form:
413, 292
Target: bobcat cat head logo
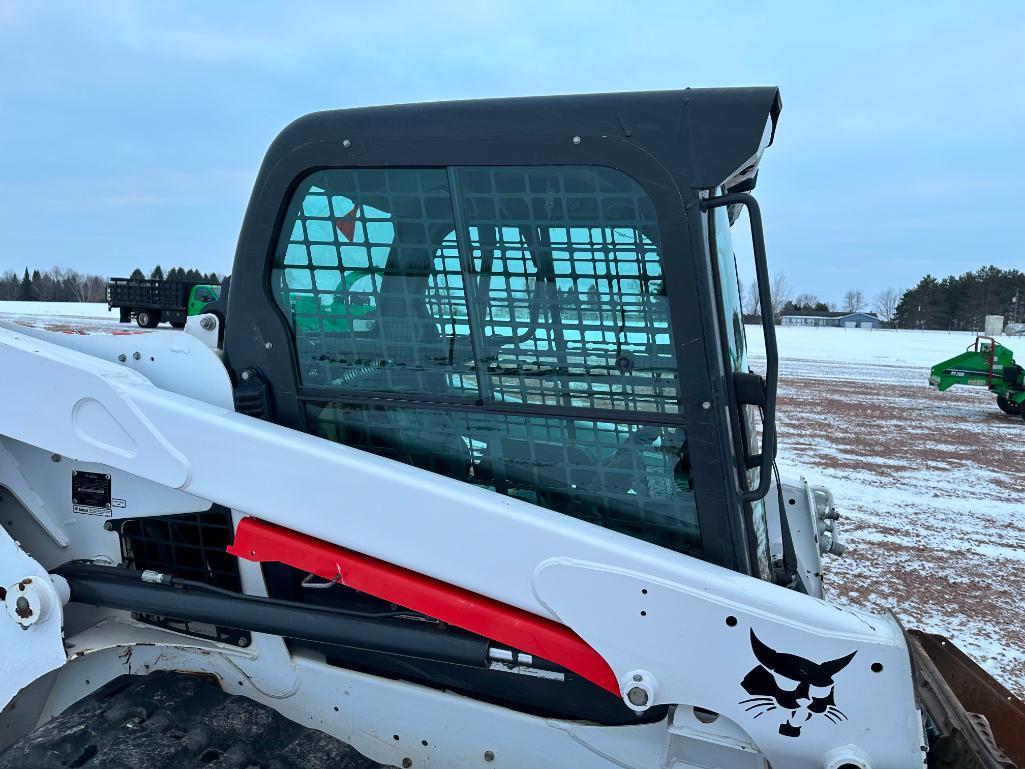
797, 687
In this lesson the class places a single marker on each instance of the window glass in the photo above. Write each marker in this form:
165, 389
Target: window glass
540, 289
568, 273
736, 348
729, 279
627, 477
371, 306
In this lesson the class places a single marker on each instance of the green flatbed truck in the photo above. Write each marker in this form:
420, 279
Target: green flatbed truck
150, 302
986, 363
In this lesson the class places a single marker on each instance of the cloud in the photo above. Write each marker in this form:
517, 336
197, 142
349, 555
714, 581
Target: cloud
900, 128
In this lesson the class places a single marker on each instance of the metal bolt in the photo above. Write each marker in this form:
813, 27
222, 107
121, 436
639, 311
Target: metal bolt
706, 405
268, 345
108, 526
55, 457
407, 762
243, 641
136, 355
208, 323
576, 140
346, 143
122, 357
489, 755
246, 375
637, 696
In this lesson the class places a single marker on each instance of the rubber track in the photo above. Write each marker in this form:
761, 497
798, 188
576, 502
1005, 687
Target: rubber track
176, 721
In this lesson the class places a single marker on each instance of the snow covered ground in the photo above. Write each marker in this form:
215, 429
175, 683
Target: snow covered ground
931, 485
882, 347
58, 315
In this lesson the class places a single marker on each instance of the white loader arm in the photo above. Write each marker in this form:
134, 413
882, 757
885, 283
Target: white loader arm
680, 630
31, 644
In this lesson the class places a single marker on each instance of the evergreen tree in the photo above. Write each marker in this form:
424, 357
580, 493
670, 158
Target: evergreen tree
157, 274
27, 291
961, 302
39, 287
137, 275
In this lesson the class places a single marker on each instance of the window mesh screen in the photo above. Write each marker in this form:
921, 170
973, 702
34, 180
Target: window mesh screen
541, 287
355, 274
569, 279
626, 477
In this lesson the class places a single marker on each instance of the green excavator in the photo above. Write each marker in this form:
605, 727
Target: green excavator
986, 363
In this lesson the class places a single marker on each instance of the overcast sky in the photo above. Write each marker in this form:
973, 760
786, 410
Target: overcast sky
130, 133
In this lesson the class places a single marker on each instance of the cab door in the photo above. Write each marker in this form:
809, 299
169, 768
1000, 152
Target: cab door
505, 326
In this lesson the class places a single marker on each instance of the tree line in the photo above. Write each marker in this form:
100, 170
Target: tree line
54, 285
955, 303
59, 284
883, 304
175, 273
962, 302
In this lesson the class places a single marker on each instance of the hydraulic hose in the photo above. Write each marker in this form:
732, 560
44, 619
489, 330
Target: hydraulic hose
169, 596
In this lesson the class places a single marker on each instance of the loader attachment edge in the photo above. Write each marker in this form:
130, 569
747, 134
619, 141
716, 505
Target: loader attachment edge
979, 722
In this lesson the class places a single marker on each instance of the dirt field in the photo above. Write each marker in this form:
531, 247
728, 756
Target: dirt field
932, 489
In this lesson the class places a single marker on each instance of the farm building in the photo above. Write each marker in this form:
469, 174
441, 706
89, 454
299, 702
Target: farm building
840, 319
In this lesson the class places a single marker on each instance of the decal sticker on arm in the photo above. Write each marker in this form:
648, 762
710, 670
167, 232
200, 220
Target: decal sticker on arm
792, 687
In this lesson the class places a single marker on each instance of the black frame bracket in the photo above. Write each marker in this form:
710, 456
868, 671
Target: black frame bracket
768, 453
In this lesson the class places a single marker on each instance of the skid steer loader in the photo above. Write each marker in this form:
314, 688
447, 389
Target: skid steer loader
465, 468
